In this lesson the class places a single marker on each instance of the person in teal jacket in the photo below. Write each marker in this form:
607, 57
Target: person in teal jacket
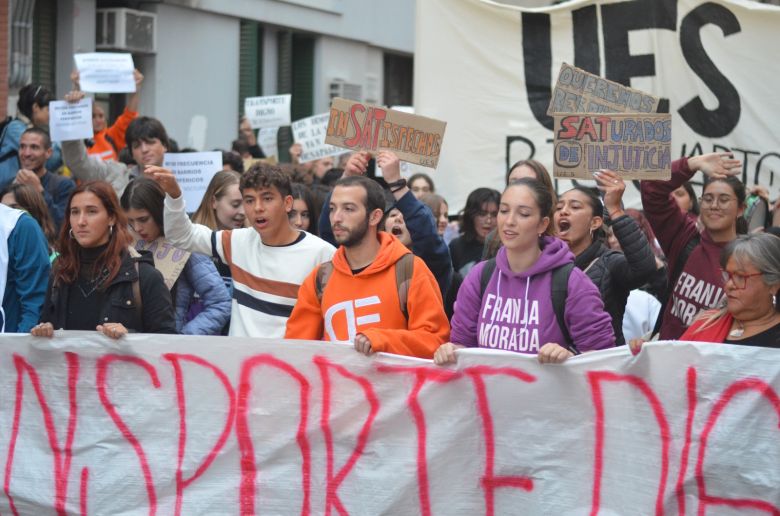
24, 270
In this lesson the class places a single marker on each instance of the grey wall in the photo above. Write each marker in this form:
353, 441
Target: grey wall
193, 78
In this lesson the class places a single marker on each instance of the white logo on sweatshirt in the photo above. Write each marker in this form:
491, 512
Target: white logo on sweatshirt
503, 312
348, 307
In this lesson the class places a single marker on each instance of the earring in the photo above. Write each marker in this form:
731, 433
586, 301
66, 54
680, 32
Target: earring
110, 230
70, 232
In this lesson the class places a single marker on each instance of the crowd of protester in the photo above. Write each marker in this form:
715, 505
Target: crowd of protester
96, 235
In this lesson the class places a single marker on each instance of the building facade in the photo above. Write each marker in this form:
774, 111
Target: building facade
206, 56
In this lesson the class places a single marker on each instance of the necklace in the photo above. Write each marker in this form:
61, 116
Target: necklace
91, 286
740, 329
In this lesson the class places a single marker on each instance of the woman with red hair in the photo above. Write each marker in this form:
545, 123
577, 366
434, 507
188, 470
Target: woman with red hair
98, 281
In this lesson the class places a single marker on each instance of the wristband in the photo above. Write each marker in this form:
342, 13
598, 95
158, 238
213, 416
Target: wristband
397, 185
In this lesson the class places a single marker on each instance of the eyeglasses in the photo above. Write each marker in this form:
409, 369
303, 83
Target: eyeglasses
738, 280
711, 200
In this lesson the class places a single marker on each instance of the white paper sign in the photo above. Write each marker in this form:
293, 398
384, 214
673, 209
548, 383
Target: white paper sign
310, 133
70, 120
266, 139
272, 111
184, 424
194, 171
106, 72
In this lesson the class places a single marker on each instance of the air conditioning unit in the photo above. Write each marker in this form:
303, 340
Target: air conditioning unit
127, 30
346, 90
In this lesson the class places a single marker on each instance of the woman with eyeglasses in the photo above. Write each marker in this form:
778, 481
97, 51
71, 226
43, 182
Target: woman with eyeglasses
580, 216
750, 313
693, 258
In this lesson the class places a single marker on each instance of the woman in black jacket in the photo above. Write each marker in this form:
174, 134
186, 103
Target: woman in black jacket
98, 282
579, 219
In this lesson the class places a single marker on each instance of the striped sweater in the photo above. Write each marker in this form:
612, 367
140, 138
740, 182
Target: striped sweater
265, 278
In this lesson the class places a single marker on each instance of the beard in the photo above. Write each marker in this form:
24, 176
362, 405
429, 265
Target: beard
353, 236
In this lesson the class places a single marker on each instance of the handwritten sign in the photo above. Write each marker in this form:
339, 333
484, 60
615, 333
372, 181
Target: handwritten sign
249, 162
194, 171
174, 424
359, 127
310, 133
70, 120
271, 111
106, 72
169, 260
578, 91
637, 146
267, 140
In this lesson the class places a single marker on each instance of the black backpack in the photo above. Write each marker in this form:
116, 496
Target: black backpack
559, 288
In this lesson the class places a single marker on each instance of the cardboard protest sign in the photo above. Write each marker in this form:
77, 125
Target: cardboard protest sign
270, 111
310, 133
105, 72
194, 171
169, 260
360, 127
70, 120
637, 146
252, 161
578, 91
181, 424
267, 140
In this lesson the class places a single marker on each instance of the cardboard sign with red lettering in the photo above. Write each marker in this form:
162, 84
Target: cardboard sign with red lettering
636, 146
363, 127
578, 91
181, 424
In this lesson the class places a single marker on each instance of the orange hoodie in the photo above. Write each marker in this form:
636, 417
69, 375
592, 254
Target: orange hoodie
102, 147
368, 303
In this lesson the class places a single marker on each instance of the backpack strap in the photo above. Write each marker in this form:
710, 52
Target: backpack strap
560, 291
486, 274
324, 271
404, 269
113, 143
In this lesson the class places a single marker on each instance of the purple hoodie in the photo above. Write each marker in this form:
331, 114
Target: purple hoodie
516, 312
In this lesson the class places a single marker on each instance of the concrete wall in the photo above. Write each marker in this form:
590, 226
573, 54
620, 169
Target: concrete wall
350, 61
191, 84
386, 24
75, 35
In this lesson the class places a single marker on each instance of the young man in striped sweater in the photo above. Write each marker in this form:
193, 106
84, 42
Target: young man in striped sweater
268, 261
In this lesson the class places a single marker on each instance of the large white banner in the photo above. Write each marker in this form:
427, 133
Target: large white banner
155, 424
488, 69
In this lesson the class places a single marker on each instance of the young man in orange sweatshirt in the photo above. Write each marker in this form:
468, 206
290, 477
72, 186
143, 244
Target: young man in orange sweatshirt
358, 299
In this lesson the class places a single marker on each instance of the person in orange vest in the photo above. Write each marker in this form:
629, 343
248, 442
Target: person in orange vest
109, 141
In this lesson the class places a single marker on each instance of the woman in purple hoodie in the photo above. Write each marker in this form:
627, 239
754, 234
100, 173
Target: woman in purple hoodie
515, 311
